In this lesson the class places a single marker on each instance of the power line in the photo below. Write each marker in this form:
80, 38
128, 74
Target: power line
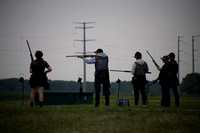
44, 36
118, 47
5, 64
130, 33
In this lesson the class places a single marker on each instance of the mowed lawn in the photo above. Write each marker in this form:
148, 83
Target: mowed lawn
86, 118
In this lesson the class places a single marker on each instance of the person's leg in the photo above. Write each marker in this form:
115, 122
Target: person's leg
168, 99
176, 95
41, 96
32, 96
143, 92
97, 96
97, 91
136, 94
106, 90
106, 94
107, 97
164, 100
163, 96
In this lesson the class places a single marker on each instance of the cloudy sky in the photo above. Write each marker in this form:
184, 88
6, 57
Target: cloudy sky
121, 28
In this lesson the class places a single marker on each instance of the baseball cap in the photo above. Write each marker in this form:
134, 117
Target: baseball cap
99, 51
165, 58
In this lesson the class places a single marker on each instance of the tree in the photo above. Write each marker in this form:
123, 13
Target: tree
191, 84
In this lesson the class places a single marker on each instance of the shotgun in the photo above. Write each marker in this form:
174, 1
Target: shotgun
126, 71
121, 71
152, 59
30, 50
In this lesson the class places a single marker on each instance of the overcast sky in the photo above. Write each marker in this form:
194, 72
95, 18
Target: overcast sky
121, 28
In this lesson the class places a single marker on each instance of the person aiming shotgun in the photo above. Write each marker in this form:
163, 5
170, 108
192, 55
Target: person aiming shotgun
101, 75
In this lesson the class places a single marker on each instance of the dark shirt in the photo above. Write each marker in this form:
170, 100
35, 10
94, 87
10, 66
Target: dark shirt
173, 68
38, 66
164, 76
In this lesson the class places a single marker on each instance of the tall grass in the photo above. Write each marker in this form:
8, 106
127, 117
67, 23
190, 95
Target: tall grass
86, 118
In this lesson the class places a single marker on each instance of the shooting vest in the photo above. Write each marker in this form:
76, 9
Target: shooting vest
140, 70
101, 63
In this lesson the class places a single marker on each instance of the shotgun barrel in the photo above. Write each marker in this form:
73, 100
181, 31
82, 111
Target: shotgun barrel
30, 50
126, 71
121, 71
80, 56
152, 59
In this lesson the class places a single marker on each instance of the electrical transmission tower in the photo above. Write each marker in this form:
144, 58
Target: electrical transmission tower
84, 48
193, 65
179, 38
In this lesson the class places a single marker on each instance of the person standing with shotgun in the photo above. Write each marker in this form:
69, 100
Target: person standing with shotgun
139, 70
101, 75
173, 66
164, 80
38, 77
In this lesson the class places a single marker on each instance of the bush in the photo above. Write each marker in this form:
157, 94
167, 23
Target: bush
191, 84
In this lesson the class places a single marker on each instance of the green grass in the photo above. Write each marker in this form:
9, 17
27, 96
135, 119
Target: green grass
86, 118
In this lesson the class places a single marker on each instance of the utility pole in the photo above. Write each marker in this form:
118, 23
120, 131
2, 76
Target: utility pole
179, 56
84, 48
193, 65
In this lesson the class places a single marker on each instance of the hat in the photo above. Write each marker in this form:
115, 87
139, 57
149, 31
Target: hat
138, 55
99, 51
171, 55
165, 58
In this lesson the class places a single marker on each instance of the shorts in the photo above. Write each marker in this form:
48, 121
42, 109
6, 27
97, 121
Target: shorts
37, 81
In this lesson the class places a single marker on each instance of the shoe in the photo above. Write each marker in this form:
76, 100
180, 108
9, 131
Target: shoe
144, 106
31, 104
96, 105
107, 105
41, 104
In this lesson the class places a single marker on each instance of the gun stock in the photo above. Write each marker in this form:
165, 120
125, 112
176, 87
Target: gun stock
80, 56
152, 59
30, 50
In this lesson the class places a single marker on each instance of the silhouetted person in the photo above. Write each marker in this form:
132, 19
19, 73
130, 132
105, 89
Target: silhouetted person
139, 70
101, 75
173, 66
38, 77
164, 80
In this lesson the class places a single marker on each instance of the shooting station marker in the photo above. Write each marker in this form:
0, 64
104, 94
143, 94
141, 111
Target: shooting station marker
121, 101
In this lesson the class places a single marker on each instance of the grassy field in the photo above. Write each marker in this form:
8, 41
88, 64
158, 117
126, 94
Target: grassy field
113, 119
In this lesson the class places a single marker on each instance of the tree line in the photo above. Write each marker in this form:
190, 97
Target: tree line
190, 85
